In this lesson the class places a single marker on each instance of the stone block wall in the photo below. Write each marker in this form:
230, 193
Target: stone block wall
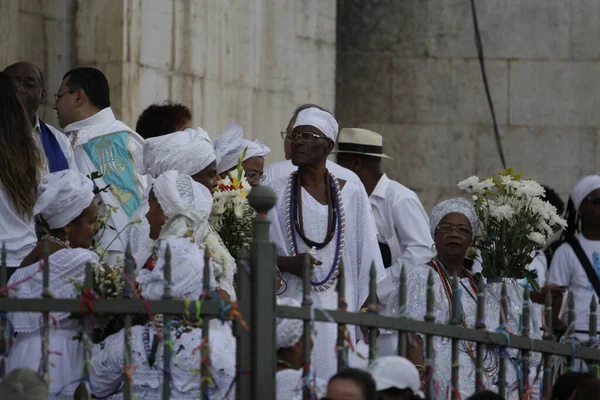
409, 70
253, 60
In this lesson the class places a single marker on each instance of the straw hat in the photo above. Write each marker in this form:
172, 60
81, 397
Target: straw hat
360, 141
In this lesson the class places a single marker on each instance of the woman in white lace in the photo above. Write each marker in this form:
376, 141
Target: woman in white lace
290, 358
453, 226
231, 145
66, 206
175, 194
106, 369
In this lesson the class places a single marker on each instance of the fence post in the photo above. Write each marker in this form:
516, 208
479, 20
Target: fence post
262, 278
242, 333
429, 350
342, 355
480, 324
455, 320
502, 349
548, 335
525, 353
4, 339
205, 375
127, 322
45, 315
402, 336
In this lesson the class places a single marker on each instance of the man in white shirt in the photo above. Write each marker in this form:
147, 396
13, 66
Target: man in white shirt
104, 145
53, 144
402, 223
583, 229
281, 169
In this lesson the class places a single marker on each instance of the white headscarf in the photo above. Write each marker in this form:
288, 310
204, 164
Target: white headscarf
62, 197
456, 205
180, 196
187, 271
289, 331
227, 146
583, 188
320, 119
188, 152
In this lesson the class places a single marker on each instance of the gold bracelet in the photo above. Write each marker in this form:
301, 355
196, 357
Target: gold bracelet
364, 310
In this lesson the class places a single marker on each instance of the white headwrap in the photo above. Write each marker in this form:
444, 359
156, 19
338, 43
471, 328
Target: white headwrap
188, 152
456, 205
187, 271
255, 149
320, 119
62, 197
583, 188
180, 195
289, 331
227, 146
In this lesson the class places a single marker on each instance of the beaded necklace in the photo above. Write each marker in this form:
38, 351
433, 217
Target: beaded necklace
292, 195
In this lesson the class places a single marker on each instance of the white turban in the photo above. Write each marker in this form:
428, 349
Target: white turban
227, 147
289, 331
187, 271
320, 119
62, 197
188, 152
254, 149
179, 195
583, 188
456, 205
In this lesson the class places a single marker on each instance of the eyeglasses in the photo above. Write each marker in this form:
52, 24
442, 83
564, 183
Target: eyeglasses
254, 176
58, 95
594, 200
304, 136
461, 229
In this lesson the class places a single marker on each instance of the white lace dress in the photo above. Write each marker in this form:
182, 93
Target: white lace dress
289, 385
66, 354
416, 308
106, 369
360, 251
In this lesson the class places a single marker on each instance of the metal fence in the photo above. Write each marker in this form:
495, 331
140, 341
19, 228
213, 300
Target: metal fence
253, 319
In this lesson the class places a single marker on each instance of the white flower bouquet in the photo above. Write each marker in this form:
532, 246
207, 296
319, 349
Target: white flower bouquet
232, 215
109, 283
515, 223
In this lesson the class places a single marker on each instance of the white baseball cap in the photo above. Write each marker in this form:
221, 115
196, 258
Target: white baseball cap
396, 372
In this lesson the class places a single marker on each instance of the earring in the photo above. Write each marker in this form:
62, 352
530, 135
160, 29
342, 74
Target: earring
433, 248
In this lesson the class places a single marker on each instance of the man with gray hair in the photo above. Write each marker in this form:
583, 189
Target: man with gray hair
329, 218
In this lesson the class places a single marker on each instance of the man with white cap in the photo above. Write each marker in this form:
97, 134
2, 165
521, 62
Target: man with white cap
282, 169
576, 263
231, 145
320, 214
396, 379
402, 223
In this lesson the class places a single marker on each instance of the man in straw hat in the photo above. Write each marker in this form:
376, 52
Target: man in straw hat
402, 223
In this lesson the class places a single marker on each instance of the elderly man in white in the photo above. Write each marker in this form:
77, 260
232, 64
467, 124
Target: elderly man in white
317, 211
402, 223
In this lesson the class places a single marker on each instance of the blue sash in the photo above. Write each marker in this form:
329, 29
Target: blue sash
112, 159
56, 158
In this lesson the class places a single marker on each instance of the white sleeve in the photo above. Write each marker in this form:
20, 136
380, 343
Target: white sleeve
412, 229
561, 267
106, 366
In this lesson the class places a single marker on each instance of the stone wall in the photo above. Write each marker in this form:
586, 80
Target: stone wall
409, 70
250, 60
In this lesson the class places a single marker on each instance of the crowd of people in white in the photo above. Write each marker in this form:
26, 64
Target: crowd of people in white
153, 186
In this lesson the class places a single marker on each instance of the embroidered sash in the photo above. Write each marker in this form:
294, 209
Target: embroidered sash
112, 159
56, 158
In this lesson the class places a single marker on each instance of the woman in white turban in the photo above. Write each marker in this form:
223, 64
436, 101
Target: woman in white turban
185, 204
231, 145
66, 205
453, 226
106, 369
290, 358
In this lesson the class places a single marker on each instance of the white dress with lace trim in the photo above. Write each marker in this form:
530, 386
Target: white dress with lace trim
66, 354
289, 385
106, 369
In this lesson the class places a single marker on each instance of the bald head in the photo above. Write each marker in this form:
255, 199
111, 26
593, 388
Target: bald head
30, 80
